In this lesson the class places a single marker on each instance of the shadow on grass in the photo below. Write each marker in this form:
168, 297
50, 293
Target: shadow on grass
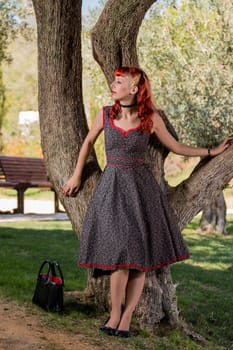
205, 284
73, 305
230, 227
194, 224
205, 300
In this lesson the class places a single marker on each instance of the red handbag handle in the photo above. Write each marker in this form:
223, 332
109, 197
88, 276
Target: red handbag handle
58, 279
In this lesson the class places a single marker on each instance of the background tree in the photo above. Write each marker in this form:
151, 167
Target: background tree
6, 30
64, 126
18, 73
20, 80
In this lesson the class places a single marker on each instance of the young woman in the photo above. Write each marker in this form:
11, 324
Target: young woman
129, 228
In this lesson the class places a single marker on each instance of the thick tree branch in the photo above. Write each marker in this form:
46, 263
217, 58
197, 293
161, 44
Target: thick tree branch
207, 179
115, 33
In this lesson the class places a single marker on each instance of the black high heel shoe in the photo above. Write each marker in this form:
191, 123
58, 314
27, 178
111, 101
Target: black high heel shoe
107, 330
123, 334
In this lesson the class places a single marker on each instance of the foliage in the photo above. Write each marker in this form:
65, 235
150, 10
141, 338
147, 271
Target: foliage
20, 77
91, 17
204, 297
17, 28
16, 16
187, 51
7, 22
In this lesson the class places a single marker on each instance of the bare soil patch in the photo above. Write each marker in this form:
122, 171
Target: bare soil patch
23, 330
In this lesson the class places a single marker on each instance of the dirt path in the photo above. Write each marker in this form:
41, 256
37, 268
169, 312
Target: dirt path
21, 330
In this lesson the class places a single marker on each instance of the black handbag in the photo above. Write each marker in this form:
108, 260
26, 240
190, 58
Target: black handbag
49, 287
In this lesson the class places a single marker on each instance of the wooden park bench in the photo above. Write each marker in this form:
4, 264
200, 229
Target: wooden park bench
21, 173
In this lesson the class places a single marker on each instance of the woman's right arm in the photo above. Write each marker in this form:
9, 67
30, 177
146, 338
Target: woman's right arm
72, 185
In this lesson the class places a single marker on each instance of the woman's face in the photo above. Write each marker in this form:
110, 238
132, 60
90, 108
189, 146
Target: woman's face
123, 88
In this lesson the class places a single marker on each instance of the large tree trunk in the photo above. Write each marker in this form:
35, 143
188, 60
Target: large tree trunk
62, 118
64, 126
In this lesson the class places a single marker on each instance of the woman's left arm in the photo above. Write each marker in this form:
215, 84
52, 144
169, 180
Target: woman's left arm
159, 128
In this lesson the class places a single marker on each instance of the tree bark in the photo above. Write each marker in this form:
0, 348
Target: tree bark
63, 128
213, 218
62, 118
116, 46
207, 179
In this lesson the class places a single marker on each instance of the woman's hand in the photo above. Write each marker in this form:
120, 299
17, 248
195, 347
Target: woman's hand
222, 147
71, 186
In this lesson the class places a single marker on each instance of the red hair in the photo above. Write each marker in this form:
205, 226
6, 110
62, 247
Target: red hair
144, 102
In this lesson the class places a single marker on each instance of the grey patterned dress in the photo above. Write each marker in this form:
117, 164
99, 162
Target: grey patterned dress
128, 224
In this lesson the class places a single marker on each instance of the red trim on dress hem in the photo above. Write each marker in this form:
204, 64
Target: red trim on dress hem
135, 266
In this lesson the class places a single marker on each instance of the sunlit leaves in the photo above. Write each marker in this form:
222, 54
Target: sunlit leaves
187, 51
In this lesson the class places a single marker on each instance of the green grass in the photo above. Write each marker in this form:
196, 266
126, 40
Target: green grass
205, 285
25, 245
30, 193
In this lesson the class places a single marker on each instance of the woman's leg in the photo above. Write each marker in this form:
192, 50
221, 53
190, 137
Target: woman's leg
118, 283
134, 290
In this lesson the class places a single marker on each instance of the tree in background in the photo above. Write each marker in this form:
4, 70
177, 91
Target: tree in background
187, 50
7, 22
20, 78
64, 126
19, 73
